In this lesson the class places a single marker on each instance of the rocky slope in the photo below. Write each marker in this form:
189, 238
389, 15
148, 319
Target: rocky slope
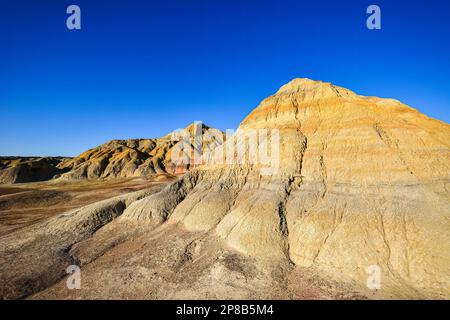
362, 181
135, 157
114, 159
29, 169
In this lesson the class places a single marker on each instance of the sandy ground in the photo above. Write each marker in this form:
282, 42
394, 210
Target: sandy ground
122, 257
27, 203
171, 263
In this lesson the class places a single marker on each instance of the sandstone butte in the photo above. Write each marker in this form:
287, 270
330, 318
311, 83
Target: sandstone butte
363, 181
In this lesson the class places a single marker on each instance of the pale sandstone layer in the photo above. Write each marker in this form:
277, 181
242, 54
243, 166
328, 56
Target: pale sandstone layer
362, 181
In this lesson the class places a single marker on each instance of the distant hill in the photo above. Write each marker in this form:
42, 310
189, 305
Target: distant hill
29, 169
114, 159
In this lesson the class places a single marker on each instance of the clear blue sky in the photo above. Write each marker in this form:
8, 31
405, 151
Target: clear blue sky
143, 68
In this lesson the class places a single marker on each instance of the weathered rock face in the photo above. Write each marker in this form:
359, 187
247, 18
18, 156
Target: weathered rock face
362, 181
131, 158
29, 169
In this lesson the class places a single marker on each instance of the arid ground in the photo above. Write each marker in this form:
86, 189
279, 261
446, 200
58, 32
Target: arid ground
27, 203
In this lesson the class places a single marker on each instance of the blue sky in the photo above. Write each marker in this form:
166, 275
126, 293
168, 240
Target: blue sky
140, 69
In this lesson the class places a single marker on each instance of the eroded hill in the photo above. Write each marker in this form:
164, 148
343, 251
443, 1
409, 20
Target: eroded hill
29, 169
114, 159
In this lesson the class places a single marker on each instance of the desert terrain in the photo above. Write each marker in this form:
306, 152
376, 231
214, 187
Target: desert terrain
27, 203
356, 182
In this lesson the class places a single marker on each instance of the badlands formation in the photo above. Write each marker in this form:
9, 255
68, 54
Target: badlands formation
114, 159
28, 169
134, 157
361, 182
